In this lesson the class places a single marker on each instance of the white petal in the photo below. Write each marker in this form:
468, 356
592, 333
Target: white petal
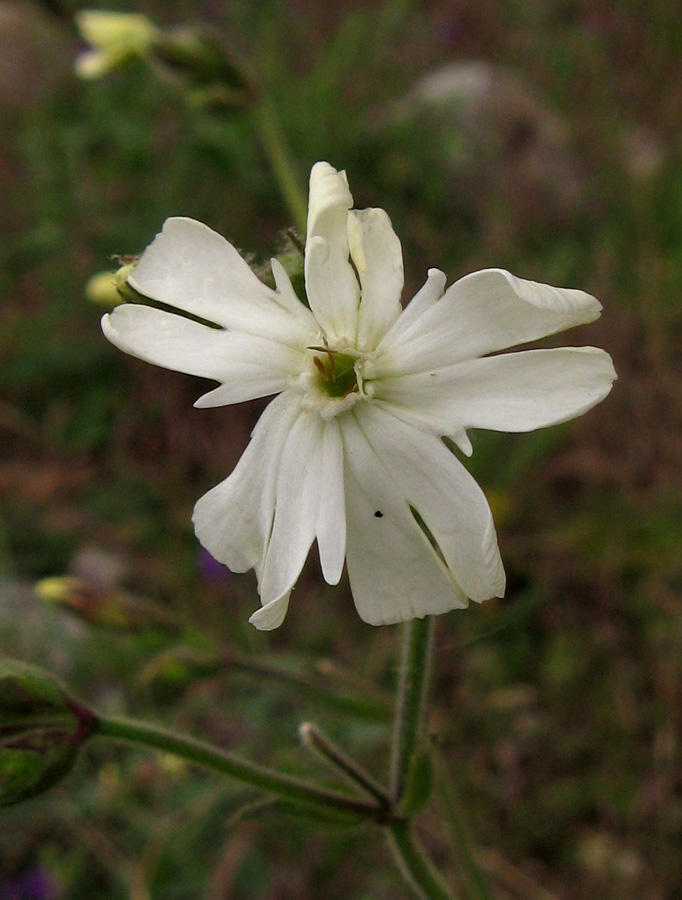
482, 313
394, 574
271, 616
331, 286
233, 521
252, 366
436, 484
394, 571
428, 294
297, 506
249, 383
287, 297
331, 522
511, 392
192, 268
332, 289
328, 203
378, 259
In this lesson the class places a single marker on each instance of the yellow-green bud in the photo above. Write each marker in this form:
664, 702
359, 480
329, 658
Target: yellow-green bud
109, 289
115, 39
104, 607
101, 289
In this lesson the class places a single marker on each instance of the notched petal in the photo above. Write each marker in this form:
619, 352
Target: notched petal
328, 203
192, 268
271, 616
483, 313
378, 259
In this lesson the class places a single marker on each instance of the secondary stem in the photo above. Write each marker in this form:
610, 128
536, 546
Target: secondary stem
319, 743
409, 717
218, 760
472, 877
368, 705
269, 131
415, 866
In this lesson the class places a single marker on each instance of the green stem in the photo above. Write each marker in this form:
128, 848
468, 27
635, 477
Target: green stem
319, 743
266, 122
366, 706
258, 776
409, 717
417, 869
472, 878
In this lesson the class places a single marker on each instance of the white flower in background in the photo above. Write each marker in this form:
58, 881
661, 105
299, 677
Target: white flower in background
350, 451
115, 39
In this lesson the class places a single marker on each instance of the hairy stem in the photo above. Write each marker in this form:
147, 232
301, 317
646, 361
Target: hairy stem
410, 705
269, 130
415, 866
319, 743
472, 877
257, 776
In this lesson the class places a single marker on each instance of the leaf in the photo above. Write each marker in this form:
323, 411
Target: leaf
317, 818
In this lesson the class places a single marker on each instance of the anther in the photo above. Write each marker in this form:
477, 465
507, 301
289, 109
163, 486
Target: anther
319, 365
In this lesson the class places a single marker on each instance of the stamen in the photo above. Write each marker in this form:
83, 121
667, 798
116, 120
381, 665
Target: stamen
326, 376
337, 376
319, 365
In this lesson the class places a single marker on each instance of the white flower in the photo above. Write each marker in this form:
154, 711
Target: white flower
115, 38
350, 451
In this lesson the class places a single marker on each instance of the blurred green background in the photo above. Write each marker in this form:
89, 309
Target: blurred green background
544, 137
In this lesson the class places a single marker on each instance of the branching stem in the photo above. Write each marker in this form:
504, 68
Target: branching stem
258, 776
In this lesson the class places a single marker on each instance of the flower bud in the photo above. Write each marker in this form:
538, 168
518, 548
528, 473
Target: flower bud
115, 39
101, 606
110, 289
41, 730
101, 289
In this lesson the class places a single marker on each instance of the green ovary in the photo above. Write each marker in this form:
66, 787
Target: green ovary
336, 374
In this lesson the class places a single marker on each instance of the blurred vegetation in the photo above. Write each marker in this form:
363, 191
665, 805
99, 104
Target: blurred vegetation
559, 709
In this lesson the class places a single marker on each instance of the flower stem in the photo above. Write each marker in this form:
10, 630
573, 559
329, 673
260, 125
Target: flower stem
417, 869
266, 779
409, 716
319, 743
269, 130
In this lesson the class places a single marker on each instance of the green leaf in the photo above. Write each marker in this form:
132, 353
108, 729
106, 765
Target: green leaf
319, 819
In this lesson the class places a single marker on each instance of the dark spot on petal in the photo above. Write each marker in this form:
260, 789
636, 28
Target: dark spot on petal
378, 514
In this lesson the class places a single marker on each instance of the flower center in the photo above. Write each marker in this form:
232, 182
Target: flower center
332, 380
336, 376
